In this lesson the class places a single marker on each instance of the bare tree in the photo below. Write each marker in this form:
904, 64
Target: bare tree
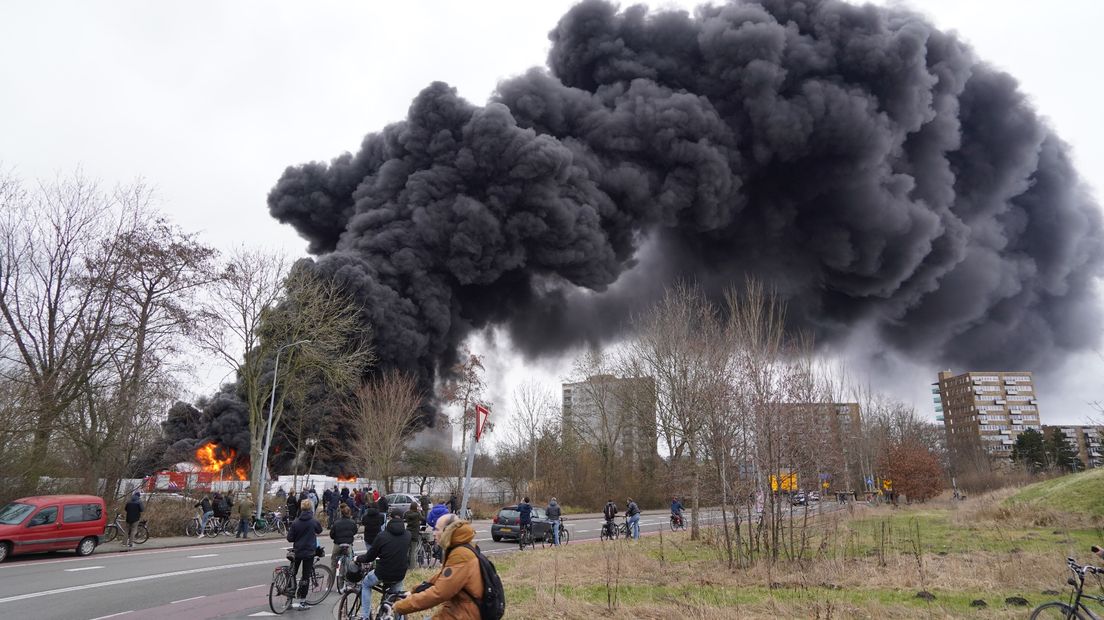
380, 417
464, 388
534, 405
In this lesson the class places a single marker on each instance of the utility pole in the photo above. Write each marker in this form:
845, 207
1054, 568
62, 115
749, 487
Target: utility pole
477, 429
268, 433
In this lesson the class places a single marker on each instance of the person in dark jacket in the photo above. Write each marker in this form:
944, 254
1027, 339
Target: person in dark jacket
327, 501
292, 506
525, 514
553, 513
205, 506
134, 510
414, 522
384, 505
303, 534
342, 532
372, 522
390, 552
453, 504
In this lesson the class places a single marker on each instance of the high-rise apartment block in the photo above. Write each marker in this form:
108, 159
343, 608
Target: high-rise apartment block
1086, 440
613, 413
983, 413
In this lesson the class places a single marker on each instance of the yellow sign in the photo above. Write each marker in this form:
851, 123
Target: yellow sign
784, 482
824, 485
887, 484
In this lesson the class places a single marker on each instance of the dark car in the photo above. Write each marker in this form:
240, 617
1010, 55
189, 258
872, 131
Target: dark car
506, 524
799, 499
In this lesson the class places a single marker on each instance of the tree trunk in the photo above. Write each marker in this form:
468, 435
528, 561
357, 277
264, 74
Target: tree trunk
695, 491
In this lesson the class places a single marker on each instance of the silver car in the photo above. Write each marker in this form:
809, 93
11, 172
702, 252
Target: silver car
402, 500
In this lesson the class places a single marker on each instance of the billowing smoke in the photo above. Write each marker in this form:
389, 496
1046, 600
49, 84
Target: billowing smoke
858, 160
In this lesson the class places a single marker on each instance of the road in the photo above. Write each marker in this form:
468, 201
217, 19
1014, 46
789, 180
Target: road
206, 580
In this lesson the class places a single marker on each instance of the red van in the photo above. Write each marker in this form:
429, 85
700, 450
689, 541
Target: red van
50, 523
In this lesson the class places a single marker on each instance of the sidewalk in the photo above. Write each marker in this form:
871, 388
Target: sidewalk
169, 542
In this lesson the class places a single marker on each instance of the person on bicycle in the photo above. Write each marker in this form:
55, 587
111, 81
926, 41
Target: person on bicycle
205, 507
525, 514
553, 513
245, 514
134, 510
610, 513
633, 513
342, 532
414, 521
373, 523
676, 510
390, 551
303, 534
458, 584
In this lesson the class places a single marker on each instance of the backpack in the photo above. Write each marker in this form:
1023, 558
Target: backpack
493, 604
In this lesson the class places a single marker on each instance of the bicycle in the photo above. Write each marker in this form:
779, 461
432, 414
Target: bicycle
677, 522
348, 608
117, 527
525, 537
1076, 608
565, 534
624, 529
428, 552
284, 584
342, 557
610, 530
192, 527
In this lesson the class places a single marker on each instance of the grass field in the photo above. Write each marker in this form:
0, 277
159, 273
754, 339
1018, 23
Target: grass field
869, 564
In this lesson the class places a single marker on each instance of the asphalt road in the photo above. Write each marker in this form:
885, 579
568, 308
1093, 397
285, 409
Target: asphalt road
206, 580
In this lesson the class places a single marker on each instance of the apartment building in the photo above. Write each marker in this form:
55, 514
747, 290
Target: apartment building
1086, 440
610, 412
983, 413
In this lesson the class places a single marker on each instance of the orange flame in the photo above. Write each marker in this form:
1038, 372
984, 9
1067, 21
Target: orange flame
216, 459
344, 478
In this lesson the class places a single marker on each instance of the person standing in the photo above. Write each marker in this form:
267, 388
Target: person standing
553, 513
454, 505
303, 534
633, 512
245, 514
414, 521
372, 522
204, 506
383, 504
134, 509
292, 506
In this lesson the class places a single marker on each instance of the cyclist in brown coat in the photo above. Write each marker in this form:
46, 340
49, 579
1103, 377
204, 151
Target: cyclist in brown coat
458, 585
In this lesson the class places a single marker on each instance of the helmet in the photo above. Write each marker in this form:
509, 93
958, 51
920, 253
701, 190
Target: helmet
353, 572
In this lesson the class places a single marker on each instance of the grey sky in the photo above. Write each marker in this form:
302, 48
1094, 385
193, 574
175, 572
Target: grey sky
209, 101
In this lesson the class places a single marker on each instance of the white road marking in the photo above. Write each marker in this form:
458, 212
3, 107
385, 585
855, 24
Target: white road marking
73, 570
205, 555
260, 585
117, 582
133, 554
121, 613
188, 599
261, 614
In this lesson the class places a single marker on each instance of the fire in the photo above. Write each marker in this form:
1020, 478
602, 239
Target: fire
344, 478
216, 459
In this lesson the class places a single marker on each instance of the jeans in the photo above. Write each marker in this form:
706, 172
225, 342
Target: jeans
555, 531
203, 519
130, 532
366, 593
634, 523
243, 523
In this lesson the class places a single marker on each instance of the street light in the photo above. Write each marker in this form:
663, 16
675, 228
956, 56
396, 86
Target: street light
268, 427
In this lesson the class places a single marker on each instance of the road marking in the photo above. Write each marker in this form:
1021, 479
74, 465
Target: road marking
117, 582
73, 570
261, 614
121, 613
261, 585
205, 555
115, 555
187, 599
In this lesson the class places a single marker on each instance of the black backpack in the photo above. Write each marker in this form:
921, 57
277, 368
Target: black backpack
493, 604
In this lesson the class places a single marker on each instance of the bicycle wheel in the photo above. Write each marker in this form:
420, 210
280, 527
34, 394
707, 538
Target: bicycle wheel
338, 577
349, 606
1055, 610
565, 535
319, 587
546, 541
141, 534
281, 591
111, 532
192, 528
211, 530
422, 558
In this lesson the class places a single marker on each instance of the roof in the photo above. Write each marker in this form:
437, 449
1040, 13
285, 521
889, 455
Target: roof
42, 500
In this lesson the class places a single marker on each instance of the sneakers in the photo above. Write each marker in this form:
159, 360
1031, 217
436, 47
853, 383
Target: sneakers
300, 605
200, 536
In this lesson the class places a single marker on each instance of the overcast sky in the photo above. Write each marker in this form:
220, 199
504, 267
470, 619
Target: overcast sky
210, 101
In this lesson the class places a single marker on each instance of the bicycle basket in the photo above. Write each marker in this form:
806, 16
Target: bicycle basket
353, 572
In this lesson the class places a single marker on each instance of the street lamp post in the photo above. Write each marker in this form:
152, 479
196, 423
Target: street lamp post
268, 426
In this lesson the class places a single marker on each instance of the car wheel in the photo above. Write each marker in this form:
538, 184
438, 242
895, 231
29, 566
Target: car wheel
496, 538
87, 546
5, 549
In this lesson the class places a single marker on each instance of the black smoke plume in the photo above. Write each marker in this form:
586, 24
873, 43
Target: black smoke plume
863, 163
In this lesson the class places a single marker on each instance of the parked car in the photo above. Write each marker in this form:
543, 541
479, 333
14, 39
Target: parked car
52, 523
402, 500
507, 522
798, 499
814, 496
